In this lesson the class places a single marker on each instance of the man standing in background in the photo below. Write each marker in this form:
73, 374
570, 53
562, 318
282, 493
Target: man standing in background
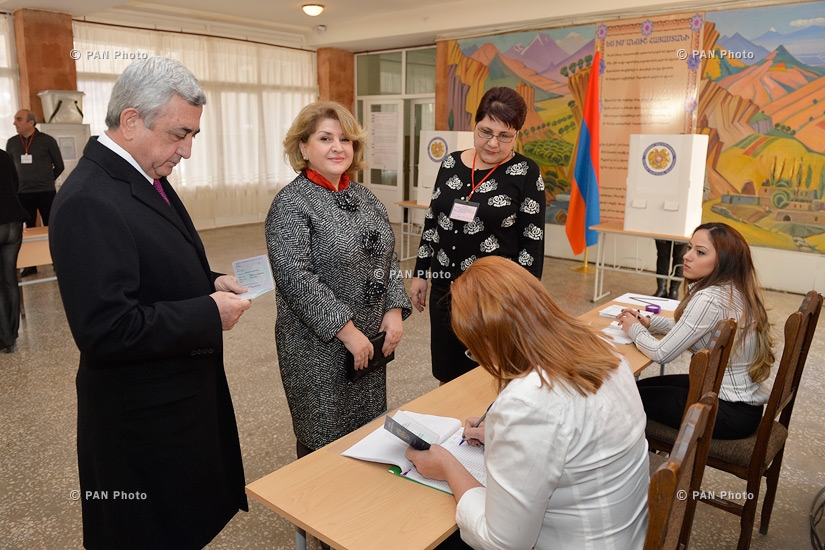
38, 161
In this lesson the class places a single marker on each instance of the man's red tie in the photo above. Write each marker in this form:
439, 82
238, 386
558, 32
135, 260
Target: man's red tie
159, 189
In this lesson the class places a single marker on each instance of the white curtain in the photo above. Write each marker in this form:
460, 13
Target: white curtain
9, 102
253, 93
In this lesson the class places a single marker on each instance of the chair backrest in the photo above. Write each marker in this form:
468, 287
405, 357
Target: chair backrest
799, 332
720, 347
667, 512
707, 366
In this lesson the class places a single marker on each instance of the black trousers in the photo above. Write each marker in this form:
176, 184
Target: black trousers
11, 237
664, 398
663, 257
448, 358
40, 200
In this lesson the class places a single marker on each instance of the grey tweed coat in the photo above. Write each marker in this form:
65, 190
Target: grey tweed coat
332, 255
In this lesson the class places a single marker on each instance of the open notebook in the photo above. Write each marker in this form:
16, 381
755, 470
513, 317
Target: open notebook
385, 447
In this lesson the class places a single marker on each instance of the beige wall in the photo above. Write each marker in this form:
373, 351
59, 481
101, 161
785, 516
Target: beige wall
43, 40
336, 76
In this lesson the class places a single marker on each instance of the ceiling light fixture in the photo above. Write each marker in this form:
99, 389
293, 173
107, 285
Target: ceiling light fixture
312, 9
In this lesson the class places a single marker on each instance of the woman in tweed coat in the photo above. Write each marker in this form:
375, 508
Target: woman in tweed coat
338, 283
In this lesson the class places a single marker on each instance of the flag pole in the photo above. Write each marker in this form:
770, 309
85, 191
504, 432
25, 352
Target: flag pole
586, 267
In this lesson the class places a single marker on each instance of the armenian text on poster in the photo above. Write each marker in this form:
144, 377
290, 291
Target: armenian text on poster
648, 87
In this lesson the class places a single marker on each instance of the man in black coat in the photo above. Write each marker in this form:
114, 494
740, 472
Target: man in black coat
158, 449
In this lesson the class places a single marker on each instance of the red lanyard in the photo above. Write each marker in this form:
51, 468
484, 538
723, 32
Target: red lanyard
473, 176
27, 146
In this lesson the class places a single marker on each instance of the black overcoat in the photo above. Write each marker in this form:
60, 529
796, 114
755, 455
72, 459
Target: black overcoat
158, 450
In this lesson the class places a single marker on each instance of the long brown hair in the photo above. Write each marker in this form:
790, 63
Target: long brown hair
510, 324
734, 266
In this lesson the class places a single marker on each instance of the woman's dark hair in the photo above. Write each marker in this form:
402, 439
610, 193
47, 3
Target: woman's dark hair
504, 105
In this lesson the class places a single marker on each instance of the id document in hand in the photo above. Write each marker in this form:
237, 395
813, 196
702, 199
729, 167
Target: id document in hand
387, 447
255, 275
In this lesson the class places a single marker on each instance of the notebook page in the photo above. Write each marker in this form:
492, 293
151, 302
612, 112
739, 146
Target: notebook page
471, 457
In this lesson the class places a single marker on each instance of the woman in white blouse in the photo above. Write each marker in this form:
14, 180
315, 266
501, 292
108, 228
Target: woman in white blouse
565, 452
721, 283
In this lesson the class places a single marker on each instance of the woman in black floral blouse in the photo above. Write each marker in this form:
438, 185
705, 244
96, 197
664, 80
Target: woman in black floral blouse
487, 201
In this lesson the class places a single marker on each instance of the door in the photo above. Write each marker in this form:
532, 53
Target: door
383, 120
422, 116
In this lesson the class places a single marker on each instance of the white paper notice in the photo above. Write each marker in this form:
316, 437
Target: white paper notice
255, 275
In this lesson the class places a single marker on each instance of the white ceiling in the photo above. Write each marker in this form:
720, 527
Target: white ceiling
352, 24
358, 25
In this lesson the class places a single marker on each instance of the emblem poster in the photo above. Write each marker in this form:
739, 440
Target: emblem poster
649, 86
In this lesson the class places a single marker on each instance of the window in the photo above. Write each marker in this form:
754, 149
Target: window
421, 71
9, 102
379, 73
253, 93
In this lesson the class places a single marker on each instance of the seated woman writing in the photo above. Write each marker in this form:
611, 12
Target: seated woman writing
565, 451
720, 283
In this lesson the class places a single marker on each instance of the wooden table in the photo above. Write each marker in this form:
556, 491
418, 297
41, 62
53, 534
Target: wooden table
615, 229
638, 361
409, 229
34, 251
356, 505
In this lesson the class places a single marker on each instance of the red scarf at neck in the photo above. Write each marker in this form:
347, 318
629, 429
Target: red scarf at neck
317, 178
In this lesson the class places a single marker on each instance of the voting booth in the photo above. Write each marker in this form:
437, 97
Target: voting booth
435, 146
62, 106
71, 139
665, 181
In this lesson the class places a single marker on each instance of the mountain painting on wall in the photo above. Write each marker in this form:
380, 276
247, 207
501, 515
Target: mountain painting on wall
546, 68
762, 105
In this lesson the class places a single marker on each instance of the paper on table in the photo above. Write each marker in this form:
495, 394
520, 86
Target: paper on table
616, 335
384, 447
471, 457
255, 275
641, 300
611, 311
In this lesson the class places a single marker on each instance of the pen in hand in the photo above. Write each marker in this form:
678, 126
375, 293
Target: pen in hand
477, 424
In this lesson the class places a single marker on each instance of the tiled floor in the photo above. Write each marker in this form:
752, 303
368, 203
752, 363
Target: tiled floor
38, 469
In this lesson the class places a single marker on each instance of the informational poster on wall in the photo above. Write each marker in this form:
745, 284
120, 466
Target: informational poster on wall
649, 86
383, 154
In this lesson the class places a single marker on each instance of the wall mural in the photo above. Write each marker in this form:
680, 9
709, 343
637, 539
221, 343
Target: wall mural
760, 99
549, 69
762, 104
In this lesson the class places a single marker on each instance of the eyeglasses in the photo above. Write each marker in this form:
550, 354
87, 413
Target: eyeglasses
486, 134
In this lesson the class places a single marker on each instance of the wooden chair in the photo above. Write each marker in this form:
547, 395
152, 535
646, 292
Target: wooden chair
761, 454
670, 486
706, 371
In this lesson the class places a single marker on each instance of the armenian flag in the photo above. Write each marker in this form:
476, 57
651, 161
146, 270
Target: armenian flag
583, 211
